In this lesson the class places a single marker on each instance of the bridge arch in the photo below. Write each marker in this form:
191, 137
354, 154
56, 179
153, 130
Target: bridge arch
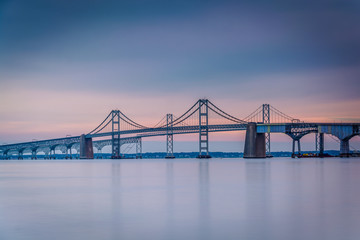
351, 136
45, 150
10, 152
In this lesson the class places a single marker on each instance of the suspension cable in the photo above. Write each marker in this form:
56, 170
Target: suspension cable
230, 116
237, 121
138, 125
251, 115
100, 124
104, 126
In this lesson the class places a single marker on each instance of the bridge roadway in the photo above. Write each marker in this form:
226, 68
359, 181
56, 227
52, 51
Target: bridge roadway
69, 142
343, 131
151, 132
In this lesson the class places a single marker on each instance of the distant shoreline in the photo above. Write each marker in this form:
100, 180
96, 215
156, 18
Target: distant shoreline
161, 155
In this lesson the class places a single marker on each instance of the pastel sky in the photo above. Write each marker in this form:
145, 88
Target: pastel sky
65, 64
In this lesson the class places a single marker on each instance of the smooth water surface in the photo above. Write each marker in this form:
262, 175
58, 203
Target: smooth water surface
180, 199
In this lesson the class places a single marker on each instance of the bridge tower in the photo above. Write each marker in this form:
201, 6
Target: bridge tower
169, 137
115, 136
203, 129
266, 120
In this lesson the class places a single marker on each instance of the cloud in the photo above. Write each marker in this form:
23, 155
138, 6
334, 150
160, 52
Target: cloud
77, 60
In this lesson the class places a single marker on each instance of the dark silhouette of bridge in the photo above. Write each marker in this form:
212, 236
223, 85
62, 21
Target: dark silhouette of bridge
202, 118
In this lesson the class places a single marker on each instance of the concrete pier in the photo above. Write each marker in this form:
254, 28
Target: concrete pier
86, 148
321, 144
254, 142
344, 148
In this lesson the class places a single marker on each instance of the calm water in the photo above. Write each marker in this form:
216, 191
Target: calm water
180, 199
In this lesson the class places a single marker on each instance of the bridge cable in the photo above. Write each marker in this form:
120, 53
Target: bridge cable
178, 119
100, 124
138, 125
230, 116
251, 115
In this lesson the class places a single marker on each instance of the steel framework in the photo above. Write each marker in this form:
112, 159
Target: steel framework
115, 137
169, 136
196, 119
203, 129
266, 120
138, 147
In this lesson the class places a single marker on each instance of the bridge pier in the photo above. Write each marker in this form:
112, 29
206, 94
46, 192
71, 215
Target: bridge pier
20, 156
293, 147
68, 153
344, 148
46, 156
52, 153
319, 142
33, 154
86, 148
254, 142
99, 153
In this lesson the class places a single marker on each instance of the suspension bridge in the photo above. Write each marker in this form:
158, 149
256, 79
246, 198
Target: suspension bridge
202, 118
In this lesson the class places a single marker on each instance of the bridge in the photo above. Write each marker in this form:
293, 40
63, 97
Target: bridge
201, 118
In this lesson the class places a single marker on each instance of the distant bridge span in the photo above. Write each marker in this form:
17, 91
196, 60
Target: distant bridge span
202, 118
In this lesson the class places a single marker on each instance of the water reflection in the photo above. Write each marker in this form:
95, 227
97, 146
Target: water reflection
204, 199
180, 199
169, 198
116, 212
258, 199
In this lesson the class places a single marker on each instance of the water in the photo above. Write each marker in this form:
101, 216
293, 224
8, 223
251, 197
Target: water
180, 199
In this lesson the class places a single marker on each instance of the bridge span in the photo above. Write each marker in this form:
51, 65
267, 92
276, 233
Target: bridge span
202, 118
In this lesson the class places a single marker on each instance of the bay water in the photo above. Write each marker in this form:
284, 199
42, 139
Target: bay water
278, 198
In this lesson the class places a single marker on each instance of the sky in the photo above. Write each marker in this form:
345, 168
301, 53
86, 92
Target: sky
65, 64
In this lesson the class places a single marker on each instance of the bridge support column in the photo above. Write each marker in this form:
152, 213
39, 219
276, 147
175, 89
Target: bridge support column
319, 141
86, 148
77, 148
203, 129
99, 153
298, 148
169, 137
254, 142
344, 148
20, 157
52, 153
33, 154
46, 156
70, 152
139, 148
